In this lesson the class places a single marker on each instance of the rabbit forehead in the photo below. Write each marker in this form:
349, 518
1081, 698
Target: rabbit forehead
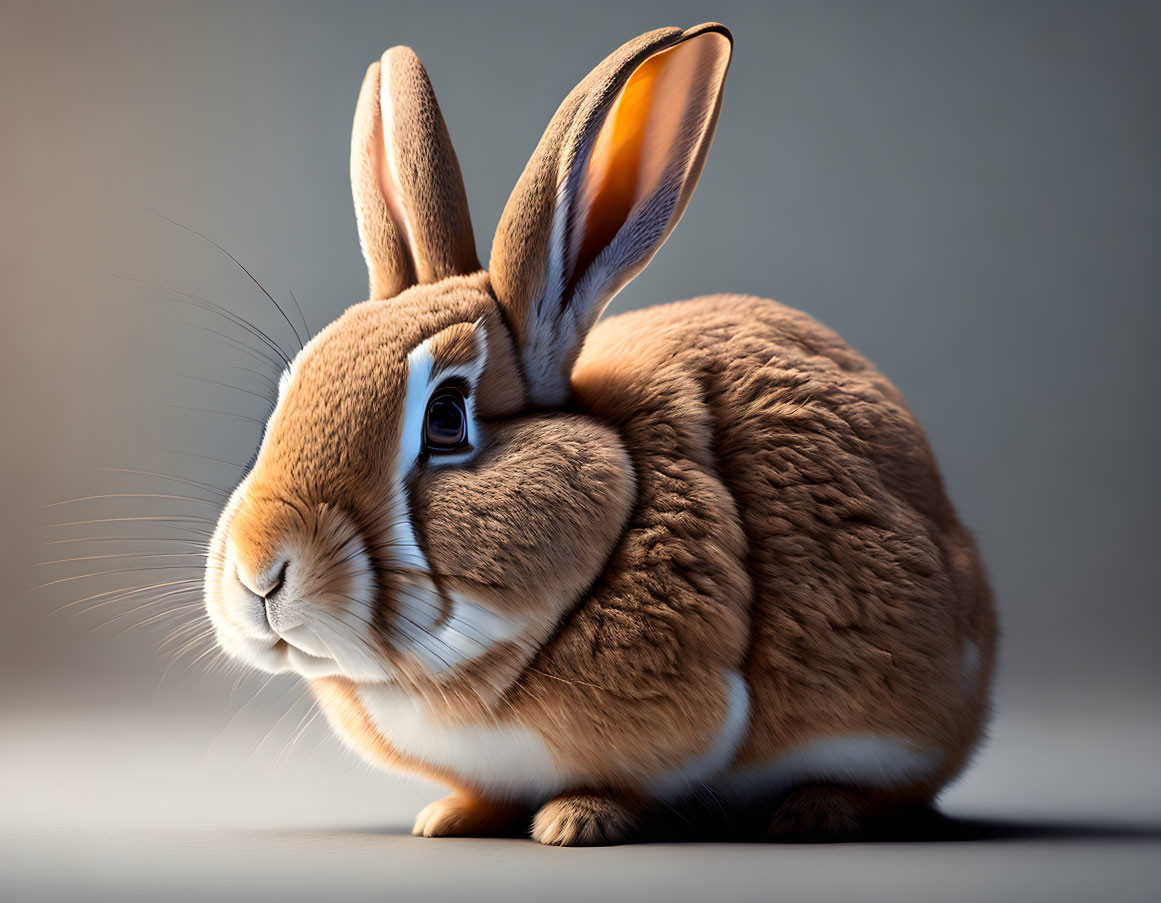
342, 406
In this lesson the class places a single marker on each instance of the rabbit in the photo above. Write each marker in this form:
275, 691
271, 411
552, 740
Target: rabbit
696, 557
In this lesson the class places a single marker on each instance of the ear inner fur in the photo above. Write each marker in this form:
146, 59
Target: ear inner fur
410, 202
389, 265
428, 173
606, 184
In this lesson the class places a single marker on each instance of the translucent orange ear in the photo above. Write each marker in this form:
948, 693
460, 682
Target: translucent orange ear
607, 184
666, 106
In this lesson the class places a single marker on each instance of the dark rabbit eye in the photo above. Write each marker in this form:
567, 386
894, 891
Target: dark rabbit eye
446, 426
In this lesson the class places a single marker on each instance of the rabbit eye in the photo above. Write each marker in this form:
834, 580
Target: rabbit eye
446, 425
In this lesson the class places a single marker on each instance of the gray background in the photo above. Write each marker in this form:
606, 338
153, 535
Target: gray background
969, 193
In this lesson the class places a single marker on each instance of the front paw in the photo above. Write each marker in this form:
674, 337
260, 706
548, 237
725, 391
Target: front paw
582, 819
459, 816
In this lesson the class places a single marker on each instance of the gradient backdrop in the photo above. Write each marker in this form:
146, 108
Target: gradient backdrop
968, 192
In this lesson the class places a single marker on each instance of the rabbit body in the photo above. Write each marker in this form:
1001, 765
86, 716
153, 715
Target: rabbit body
792, 600
694, 556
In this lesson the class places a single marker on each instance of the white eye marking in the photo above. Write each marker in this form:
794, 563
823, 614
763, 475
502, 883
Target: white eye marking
422, 382
419, 366
470, 629
405, 546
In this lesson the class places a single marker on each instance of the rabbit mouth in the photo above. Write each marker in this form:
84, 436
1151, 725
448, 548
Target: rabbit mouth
308, 665
293, 589
277, 654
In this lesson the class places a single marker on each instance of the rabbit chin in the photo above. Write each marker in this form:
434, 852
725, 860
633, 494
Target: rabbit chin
276, 655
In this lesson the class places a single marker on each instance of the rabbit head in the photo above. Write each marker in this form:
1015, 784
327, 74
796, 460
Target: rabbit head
423, 500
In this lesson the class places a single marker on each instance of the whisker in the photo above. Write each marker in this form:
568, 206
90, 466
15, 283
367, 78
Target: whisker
116, 600
303, 725
273, 385
242, 268
209, 487
207, 305
305, 326
39, 564
157, 567
132, 495
414, 624
202, 656
191, 633
197, 543
172, 518
187, 407
168, 612
578, 683
145, 587
214, 382
222, 733
248, 350
288, 710
175, 451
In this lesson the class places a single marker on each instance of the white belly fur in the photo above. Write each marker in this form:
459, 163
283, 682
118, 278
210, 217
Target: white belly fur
513, 762
881, 761
509, 761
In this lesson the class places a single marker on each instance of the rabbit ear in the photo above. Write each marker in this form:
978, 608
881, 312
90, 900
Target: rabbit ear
409, 196
606, 185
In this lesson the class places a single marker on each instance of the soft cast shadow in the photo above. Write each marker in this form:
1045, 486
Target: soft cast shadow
930, 826
925, 826
939, 828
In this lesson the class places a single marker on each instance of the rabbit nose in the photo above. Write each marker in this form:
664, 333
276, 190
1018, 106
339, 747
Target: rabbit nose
266, 583
281, 612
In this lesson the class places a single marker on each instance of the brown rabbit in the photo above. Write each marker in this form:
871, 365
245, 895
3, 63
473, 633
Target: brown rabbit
582, 573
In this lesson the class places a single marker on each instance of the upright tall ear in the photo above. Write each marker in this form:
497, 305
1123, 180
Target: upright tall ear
409, 194
603, 190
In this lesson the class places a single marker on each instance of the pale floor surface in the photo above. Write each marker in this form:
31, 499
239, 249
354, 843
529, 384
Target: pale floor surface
134, 807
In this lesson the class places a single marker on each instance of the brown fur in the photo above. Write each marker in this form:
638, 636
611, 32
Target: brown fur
455, 346
412, 208
520, 249
856, 556
726, 488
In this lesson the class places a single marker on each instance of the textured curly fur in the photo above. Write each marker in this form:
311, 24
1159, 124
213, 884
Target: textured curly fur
699, 552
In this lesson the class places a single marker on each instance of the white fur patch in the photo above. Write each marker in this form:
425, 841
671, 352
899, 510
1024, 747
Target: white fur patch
508, 761
864, 760
392, 194
693, 775
473, 629
405, 548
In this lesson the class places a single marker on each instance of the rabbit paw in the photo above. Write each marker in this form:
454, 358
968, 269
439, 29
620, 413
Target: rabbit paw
583, 819
817, 813
459, 816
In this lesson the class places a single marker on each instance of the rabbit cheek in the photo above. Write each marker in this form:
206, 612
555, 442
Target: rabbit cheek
530, 526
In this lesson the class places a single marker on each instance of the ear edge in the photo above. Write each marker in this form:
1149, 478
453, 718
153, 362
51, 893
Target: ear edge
536, 238
426, 169
400, 142
389, 265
